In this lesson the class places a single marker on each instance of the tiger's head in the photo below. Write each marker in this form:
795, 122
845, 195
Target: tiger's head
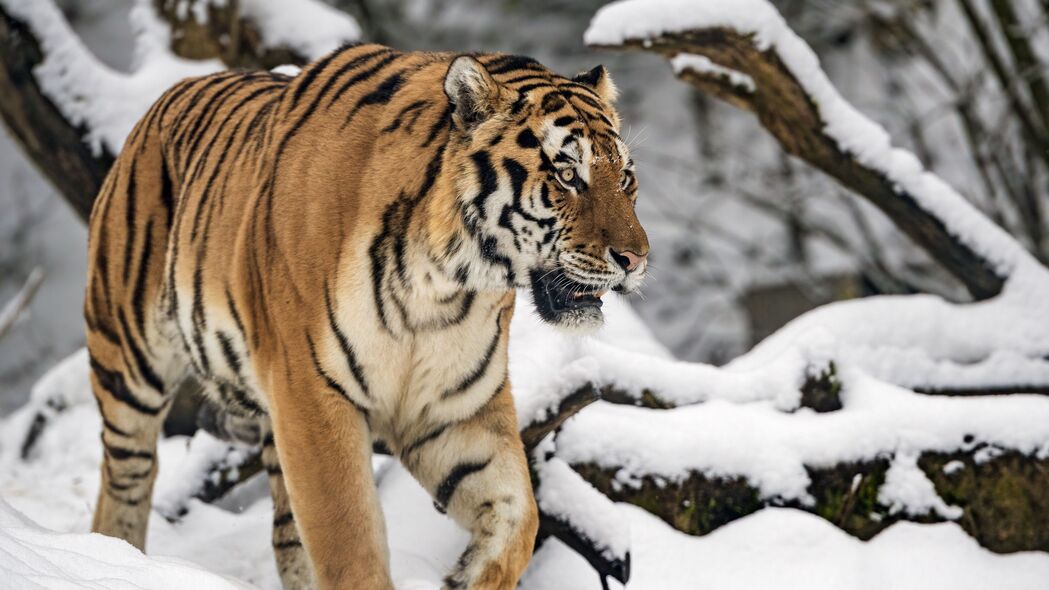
546, 185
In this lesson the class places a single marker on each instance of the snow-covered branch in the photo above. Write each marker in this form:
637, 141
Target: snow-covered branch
71, 112
743, 52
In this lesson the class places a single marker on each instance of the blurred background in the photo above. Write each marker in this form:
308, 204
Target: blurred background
744, 238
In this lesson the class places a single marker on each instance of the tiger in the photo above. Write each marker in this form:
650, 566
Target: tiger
335, 255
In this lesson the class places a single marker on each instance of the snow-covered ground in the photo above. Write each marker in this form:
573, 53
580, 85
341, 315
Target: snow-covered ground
46, 505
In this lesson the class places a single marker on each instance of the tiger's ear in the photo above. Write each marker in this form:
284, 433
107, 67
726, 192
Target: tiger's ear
472, 92
600, 81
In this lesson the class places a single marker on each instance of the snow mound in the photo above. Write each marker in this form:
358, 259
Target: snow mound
34, 558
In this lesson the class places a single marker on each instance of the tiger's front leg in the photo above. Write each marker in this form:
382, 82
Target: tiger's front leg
324, 445
476, 470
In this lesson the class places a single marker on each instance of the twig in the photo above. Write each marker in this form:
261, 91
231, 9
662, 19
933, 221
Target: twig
17, 306
568, 407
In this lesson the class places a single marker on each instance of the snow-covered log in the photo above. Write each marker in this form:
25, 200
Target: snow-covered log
743, 52
996, 500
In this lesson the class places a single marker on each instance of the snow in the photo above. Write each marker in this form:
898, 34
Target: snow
309, 27
908, 489
32, 557
791, 550
750, 436
108, 103
565, 494
703, 65
771, 448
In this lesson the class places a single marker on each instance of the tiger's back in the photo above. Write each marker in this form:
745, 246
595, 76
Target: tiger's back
304, 247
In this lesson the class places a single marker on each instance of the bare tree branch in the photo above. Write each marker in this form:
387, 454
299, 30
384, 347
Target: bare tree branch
14, 309
569, 406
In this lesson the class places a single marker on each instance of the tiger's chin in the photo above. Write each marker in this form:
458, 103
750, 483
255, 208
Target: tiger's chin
569, 306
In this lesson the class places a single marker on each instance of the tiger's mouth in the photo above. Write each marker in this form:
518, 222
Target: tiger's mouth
564, 302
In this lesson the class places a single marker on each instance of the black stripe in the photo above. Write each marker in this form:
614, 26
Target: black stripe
506, 63
200, 322
534, 76
123, 453
361, 77
478, 371
193, 101
129, 219
443, 121
228, 353
250, 97
283, 545
128, 501
349, 65
138, 293
382, 94
375, 253
283, 519
310, 74
202, 122
236, 316
167, 195
489, 248
143, 366
414, 108
116, 385
446, 490
421, 441
329, 381
240, 397
589, 102
344, 344
527, 139
312, 107
518, 175
219, 167
487, 178
113, 427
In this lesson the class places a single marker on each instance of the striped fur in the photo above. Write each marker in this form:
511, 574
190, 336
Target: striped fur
335, 256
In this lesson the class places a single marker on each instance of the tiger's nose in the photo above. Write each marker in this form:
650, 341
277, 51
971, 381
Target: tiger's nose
627, 259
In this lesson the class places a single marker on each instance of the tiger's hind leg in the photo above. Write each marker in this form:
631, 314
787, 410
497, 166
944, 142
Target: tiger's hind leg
133, 402
292, 562
476, 471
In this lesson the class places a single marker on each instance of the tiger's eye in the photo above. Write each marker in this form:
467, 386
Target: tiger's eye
566, 175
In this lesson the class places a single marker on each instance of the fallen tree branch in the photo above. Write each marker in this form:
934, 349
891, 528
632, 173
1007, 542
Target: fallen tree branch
1001, 494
